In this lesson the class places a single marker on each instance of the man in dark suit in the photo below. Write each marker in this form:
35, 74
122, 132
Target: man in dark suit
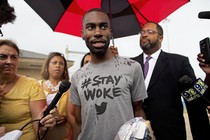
163, 107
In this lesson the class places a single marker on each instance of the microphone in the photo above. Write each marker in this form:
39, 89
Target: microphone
193, 89
204, 15
63, 87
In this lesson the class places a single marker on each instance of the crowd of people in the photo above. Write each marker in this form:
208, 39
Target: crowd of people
21, 98
106, 91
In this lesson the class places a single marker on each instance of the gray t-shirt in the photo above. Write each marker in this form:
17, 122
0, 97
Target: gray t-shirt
105, 93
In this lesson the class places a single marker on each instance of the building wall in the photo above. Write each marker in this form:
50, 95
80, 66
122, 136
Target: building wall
34, 73
31, 67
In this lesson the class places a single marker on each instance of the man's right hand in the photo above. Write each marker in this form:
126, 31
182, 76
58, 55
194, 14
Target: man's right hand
114, 50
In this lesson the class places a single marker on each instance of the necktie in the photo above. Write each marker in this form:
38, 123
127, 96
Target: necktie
146, 66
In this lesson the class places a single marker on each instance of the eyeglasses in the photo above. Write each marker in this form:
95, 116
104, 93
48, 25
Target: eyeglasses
150, 32
56, 53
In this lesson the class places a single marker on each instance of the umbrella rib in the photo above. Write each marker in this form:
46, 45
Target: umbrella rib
1, 33
140, 13
110, 14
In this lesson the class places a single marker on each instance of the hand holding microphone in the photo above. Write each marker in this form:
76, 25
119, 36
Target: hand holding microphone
64, 86
193, 89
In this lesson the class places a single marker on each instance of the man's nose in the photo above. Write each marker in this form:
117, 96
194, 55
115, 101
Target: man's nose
144, 35
98, 32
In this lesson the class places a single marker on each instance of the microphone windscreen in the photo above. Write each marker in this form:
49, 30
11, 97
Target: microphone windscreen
185, 82
64, 86
204, 15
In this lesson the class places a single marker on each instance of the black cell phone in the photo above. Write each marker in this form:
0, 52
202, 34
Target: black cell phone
205, 49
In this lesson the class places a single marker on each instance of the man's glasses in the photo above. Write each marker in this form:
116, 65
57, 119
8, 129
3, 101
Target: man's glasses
150, 32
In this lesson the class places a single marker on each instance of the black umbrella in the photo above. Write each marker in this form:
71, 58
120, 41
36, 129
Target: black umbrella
127, 16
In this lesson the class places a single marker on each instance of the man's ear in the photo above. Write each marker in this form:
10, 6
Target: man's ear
160, 38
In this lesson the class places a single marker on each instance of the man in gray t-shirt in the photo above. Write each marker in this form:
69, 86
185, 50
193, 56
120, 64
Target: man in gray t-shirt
108, 91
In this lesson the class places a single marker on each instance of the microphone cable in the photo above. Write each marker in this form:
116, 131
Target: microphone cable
38, 135
38, 132
63, 87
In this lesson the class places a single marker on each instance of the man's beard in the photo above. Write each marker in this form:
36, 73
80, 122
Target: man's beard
99, 52
149, 45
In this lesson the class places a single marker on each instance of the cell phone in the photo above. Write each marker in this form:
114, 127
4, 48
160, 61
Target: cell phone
205, 49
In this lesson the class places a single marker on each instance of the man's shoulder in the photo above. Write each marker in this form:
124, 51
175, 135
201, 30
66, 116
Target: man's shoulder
174, 55
78, 72
137, 57
129, 63
126, 60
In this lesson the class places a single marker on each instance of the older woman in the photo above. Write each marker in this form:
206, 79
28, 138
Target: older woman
53, 72
22, 99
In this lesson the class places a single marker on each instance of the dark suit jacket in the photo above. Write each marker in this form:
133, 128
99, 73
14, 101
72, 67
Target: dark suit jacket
163, 107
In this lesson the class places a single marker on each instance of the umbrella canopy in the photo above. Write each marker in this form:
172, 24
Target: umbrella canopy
127, 16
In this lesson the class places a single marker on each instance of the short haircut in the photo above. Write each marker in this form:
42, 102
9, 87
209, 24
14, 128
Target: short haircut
95, 10
159, 28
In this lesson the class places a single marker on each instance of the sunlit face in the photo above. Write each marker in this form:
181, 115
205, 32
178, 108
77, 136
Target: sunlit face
56, 67
8, 60
96, 32
150, 39
87, 59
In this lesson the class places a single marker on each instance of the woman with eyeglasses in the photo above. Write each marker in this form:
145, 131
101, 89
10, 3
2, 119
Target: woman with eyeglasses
53, 72
21, 98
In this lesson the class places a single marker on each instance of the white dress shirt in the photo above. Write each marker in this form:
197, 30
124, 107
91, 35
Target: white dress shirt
152, 63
